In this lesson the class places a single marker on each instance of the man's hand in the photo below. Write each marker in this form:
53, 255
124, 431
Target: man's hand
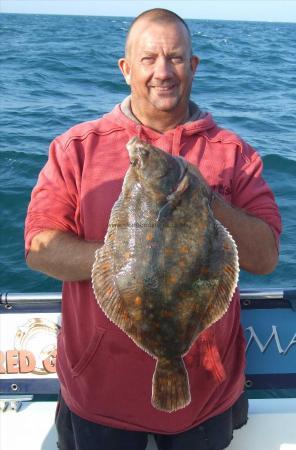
254, 239
62, 255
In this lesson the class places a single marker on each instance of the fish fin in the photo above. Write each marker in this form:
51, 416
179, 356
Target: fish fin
170, 385
106, 292
225, 284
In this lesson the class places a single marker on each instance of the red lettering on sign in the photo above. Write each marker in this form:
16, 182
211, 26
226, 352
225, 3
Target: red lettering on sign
26, 361
49, 363
12, 361
2, 361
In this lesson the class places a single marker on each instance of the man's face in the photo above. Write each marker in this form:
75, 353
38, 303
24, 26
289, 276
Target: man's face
159, 66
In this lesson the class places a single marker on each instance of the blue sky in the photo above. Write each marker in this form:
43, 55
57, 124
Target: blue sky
260, 10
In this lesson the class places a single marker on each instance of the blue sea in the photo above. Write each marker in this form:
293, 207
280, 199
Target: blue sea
57, 71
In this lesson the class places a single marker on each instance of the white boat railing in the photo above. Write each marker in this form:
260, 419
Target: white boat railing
9, 300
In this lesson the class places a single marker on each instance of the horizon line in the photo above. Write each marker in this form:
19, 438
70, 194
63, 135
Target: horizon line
132, 17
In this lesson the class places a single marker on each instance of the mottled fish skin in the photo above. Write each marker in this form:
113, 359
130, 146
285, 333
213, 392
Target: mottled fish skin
167, 269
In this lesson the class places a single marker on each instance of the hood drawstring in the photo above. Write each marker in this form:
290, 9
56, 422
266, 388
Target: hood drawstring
177, 136
139, 131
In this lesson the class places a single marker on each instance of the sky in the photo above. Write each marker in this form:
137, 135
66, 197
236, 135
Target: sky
258, 10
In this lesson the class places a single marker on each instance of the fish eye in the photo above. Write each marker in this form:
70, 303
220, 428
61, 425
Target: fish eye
134, 162
143, 152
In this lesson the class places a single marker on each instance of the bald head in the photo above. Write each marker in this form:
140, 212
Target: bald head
160, 16
159, 68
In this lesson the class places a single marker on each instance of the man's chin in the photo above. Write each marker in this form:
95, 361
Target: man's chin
165, 104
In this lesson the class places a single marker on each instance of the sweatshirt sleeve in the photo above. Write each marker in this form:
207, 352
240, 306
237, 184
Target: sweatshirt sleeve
252, 193
53, 204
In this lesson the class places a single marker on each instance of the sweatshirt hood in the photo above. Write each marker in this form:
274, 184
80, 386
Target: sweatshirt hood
121, 117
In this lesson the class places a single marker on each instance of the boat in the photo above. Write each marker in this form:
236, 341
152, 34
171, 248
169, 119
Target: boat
29, 386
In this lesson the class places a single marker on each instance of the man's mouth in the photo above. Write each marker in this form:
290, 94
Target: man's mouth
164, 89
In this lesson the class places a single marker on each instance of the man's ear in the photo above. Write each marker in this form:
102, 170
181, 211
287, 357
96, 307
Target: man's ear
194, 62
125, 69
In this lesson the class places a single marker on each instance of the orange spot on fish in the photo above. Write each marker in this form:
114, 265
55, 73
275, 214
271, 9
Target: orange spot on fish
149, 236
173, 279
138, 301
184, 249
181, 264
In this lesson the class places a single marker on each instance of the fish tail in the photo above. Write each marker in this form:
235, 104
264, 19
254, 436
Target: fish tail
170, 386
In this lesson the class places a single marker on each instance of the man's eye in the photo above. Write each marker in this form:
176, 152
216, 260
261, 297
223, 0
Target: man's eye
176, 59
148, 59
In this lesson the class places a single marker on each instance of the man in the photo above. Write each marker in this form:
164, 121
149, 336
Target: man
105, 378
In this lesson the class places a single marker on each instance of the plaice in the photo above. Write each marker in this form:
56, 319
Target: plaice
168, 269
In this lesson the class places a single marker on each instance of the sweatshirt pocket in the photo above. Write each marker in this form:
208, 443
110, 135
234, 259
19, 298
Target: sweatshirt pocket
89, 352
112, 378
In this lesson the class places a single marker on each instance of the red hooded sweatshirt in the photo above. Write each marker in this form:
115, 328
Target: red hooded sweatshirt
104, 376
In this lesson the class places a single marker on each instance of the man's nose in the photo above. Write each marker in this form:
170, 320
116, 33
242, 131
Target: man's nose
162, 68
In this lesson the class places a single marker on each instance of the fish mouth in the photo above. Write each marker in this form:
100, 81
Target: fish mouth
136, 150
131, 143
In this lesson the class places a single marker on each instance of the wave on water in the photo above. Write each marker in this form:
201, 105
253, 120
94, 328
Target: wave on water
280, 164
57, 71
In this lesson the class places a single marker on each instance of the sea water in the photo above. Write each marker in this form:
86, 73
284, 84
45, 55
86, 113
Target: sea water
57, 71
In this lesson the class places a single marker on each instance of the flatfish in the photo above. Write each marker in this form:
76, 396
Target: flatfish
168, 269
